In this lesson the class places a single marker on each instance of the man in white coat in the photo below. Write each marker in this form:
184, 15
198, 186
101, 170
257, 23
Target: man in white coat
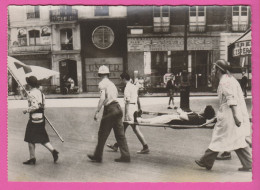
233, 125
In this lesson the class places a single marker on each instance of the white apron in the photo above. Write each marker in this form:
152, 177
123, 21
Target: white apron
226, 135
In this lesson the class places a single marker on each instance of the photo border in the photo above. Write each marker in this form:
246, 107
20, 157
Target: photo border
5, 184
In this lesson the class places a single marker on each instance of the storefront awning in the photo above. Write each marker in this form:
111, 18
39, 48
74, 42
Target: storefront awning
242, 46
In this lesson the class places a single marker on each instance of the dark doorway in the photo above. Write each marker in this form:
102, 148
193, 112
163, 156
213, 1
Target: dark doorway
68, 69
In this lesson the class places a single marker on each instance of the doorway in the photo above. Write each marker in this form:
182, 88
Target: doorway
68, 69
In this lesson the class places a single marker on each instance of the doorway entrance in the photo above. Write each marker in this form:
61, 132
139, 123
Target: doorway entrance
68, 69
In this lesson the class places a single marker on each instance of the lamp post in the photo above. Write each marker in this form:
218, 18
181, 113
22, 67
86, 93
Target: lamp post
185, 82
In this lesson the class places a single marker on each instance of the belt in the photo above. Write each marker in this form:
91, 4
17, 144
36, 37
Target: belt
114, 102
131, 103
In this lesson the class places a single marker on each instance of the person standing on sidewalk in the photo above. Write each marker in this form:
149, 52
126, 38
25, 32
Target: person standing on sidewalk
35, 130
244, 83
111, 119
132, 105
232, 125
170, 86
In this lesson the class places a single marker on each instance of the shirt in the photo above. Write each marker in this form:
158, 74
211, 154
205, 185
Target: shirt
108, 87
131, 93
35, 99
193, 119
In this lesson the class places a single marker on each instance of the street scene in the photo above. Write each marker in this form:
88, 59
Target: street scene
129, 94
171, 158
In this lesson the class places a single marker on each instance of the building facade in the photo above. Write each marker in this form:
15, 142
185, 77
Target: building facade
157, 37
150, 40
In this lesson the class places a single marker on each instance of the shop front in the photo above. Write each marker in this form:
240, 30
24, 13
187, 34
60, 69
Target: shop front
154, 57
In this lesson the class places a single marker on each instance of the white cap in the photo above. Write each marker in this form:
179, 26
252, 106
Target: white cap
103, 70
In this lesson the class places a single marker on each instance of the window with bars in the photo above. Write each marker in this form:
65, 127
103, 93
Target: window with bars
101, 11
240, 18
66, 39
197, 19
161, 18
33, 12
34, 37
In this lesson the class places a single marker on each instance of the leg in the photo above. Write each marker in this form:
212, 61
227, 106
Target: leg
48, 146
208, 159
31, 150
103, 133
245, 157
139, 134
125, 127
52, 150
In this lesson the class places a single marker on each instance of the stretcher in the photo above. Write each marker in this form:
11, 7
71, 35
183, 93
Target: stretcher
203, 126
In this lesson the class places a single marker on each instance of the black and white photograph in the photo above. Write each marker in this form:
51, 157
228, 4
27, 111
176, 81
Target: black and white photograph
129, 93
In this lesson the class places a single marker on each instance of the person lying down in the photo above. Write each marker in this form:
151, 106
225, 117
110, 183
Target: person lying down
204, 117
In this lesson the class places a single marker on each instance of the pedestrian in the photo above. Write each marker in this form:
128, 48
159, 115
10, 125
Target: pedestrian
244, 83
232, 125
132, 104
35, 130
170, 87
111, 119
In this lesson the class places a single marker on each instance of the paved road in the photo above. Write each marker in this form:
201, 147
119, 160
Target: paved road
171, 158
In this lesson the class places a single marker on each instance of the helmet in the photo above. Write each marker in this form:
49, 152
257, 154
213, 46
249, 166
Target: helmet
103, 70
222, 65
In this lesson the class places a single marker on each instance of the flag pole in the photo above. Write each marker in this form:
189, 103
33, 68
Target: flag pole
18, 82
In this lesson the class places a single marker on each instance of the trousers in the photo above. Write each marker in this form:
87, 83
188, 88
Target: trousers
112, 119
244, 155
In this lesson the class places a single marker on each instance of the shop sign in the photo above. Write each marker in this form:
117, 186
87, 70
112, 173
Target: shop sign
242, 48
203, 43
155, 44
172, 44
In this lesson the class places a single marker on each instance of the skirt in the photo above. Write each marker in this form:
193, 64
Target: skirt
36, 133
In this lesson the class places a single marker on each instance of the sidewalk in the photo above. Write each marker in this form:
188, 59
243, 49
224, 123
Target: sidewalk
96, 95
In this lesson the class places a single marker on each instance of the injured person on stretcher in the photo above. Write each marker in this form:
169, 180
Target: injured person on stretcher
204, 117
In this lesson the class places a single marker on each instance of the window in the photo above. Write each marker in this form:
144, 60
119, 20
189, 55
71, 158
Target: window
33, 12
161, 18
103, 37
66, 39
239, 18
197, 19
34, 37
22, 37
101, 11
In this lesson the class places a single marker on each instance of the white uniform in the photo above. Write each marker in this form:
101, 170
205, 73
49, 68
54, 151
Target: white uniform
110, 90
226, 135
131, 95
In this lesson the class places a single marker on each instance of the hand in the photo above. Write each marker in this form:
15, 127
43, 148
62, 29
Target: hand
237, 121
24, 111
95, 116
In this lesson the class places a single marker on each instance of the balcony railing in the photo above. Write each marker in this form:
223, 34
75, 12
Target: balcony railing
33, 49
163, 29
239, 27
60, 15
66, 46
197, 28
33, 15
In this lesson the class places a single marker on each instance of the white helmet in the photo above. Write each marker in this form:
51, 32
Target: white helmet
103, 70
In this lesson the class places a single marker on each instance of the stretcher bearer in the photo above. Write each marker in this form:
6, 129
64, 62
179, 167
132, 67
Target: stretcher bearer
233, 126
35, 130
132, 105
111, 119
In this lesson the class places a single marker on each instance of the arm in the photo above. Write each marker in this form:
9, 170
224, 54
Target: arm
235, 115
100, 103
213, 120
138, 103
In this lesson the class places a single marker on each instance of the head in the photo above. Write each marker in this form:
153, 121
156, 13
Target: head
103, 71
125, 77
221, 67
32, 82
209, 112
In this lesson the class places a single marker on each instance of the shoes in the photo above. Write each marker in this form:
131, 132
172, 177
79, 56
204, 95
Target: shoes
94, 159
30, 162
169, 107
123, 159
143, 151
175, 107
245, 169
224, 156
201, 164
55, 155
112, 147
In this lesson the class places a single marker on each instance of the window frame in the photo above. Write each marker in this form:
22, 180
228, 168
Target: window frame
35, 12
101, 11
34, 37
163, 25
